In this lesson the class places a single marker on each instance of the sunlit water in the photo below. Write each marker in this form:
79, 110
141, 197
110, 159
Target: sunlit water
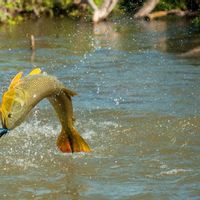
138, 108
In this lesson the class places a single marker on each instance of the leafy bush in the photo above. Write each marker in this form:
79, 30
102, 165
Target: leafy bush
171, 4
130, 5
9, 9
196, 21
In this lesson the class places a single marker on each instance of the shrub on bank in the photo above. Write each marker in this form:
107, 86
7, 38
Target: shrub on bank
12, 11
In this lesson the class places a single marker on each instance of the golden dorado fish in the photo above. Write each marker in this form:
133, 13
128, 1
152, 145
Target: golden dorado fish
25, 92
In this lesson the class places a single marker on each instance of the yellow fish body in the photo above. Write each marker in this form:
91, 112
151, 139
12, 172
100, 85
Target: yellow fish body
24, 93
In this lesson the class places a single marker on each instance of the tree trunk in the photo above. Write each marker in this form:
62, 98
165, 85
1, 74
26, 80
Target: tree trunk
159, 14
102, 13
191, 53
148, 6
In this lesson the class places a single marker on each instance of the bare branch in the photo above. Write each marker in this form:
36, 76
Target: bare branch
148, 6
111, 6
191, 53
103, 12
92, 4
159, 14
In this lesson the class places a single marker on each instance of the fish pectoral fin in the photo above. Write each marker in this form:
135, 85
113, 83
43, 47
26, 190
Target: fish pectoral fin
69, 92
35, 71
70, 141
15, 80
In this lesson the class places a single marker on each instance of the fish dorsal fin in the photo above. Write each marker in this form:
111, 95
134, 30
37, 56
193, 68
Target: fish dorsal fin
15, 80
35, 71
69, 92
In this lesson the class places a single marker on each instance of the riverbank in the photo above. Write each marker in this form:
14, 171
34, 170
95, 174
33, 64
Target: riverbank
12, 12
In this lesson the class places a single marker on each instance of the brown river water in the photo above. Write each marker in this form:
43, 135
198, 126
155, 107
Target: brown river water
138, 108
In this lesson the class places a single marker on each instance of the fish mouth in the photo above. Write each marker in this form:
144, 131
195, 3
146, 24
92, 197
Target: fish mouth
3, 121
3, 131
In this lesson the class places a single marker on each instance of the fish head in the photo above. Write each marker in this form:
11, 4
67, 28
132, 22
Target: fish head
13, 108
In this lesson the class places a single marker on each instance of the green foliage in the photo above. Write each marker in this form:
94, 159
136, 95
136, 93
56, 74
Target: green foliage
98, 2
133, 5
62, 4
196, 21
171, 4
10, 10
130, 6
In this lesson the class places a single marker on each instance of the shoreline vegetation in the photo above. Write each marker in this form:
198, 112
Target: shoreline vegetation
14, 11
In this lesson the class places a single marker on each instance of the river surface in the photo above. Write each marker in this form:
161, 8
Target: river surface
138, 106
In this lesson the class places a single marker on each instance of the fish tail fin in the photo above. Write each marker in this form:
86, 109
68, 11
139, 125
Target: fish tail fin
70, 141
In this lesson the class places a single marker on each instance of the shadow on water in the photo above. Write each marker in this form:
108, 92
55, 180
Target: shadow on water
138, 108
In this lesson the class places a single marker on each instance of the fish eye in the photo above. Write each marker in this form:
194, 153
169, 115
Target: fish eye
9, 115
